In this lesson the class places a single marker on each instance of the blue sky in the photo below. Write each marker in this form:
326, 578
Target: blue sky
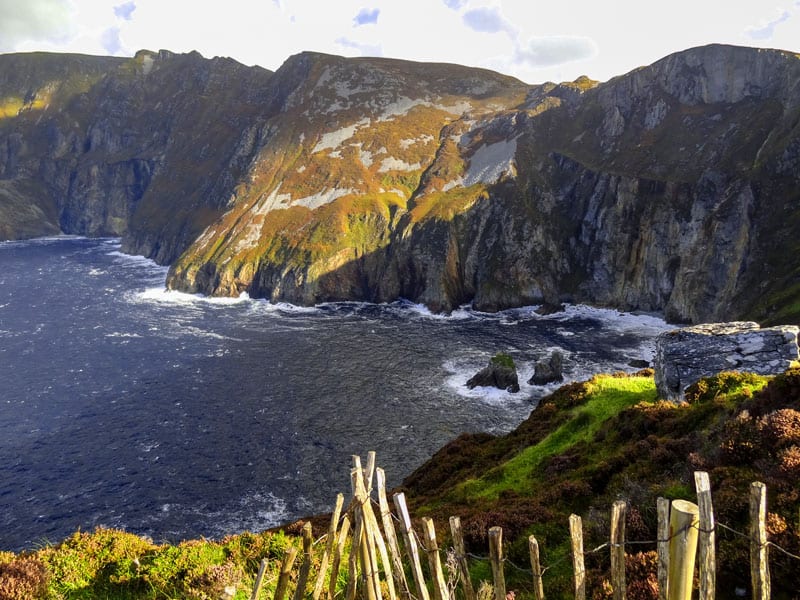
531, 39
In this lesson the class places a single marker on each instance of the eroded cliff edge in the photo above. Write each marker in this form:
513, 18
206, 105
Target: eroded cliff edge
674, 187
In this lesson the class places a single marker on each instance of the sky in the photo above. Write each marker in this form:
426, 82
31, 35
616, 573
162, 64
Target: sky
533, 40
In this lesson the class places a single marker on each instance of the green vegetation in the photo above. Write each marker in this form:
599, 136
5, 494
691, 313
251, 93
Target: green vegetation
611, 438
121, 566
501, 359
607, 396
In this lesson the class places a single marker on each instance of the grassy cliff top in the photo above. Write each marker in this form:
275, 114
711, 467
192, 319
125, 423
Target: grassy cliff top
584, 447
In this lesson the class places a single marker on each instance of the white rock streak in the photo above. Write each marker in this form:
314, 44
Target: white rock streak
334, 139
395, 164
490, 162
322, 198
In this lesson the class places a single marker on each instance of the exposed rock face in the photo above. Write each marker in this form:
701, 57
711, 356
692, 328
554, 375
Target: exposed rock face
684, 356
671, 188
548, 370
501, 372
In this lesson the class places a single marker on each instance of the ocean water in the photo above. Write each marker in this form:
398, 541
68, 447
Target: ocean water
177, 416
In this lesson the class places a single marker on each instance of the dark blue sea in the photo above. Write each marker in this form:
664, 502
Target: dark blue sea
179, 416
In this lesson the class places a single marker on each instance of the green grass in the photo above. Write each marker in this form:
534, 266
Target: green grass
607, 396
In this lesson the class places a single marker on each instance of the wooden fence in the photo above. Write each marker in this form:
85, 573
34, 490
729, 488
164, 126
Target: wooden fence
376, 568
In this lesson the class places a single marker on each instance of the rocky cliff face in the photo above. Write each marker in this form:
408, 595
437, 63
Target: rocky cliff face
671, 188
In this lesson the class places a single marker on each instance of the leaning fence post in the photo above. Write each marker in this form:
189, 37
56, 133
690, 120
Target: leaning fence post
411, 546
286, 571
440, 590
759, 556
662, 506
496, 558
262, 568
319, 585
576, 539
682, 548
707, 538
337, 556
391, 535
618, 549
305, 567
536, 567
461, 556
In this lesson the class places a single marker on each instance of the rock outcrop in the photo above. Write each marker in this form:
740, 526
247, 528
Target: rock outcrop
548, 370
684, 356
671, 188
501, 373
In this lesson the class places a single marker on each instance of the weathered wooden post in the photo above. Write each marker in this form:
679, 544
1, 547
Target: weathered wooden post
536, 567
496, 559
286, 571
369, 557
440, 591
461, 557
706, 551
305, 567
337, 556
618, 549
576, 540
683, 520
411, 546
319, 585
391, 536
262, 568
662, 506
759, 555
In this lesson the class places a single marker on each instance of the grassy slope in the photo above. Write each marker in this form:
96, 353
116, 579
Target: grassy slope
585, 446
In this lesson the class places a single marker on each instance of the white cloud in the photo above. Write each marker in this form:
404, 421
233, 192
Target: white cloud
549, 51
457, 4
766, 30
361, 49
125, 11
35, 20
366, 17
488, 20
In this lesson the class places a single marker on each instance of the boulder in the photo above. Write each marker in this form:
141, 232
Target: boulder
684, 356
548, 370
501, 372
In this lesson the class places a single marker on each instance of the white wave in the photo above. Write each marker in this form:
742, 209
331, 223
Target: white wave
166, 296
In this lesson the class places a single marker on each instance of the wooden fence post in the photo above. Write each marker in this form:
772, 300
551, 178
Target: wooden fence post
375, 541
319, 585
682, 548
662, 507
576, 538
286, 571
411, 546
618, 549
305, 567
461, 556
536, 567
759, 556
337, 556
369, 557
398, 571
440, 591
262, 568
496, 558
369, 471
707, 538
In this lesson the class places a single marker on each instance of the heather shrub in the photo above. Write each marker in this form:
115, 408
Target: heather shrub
780, 428
24, 578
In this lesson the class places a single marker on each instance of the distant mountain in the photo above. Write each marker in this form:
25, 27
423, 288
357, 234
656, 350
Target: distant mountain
675, 187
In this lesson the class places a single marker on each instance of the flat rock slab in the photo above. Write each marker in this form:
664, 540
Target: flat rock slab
684, 356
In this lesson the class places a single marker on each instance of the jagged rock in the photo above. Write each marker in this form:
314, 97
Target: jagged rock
638, 363
684, 356
501, 372
548, 370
